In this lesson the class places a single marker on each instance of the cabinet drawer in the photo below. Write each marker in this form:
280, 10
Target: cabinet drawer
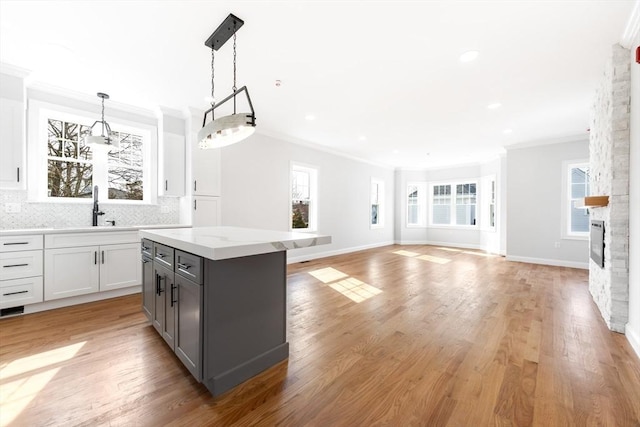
14, 265
146, 247
20, 291
21, 243
189, 266
163, 254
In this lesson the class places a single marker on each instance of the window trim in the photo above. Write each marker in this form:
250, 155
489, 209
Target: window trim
566, 233
313, 196
40, 111
381, 202
422, 204
452, 204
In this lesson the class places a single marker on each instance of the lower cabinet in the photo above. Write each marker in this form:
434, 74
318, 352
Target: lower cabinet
173, 302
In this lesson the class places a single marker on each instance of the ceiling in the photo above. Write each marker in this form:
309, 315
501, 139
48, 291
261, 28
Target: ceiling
382, 78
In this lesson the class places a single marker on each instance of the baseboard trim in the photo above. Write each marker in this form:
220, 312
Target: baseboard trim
295, 259
545, 261
633, 337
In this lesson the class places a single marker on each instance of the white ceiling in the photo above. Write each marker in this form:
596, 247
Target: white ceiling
382, 78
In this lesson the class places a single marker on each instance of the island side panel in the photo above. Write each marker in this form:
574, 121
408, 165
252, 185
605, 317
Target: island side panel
244, 318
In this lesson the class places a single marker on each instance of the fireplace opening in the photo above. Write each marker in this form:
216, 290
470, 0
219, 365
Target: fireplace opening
596, 239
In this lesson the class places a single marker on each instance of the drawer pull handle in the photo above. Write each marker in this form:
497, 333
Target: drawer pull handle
15, 265
173, 300
184, 266
144, 248
15, 243
159, 255
15, 293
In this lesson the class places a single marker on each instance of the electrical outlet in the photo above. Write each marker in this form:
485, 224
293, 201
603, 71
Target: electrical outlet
164, 209
556, 245
12, 207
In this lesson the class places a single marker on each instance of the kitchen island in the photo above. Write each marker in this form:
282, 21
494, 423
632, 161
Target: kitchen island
217, 295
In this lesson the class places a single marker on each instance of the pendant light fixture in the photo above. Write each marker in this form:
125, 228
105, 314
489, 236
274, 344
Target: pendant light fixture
104, 138
233, 128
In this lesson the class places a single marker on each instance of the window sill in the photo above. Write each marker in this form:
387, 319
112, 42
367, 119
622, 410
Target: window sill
455, 227
575, 237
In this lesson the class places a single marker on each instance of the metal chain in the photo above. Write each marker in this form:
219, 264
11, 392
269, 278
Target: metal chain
234, 56
213, 100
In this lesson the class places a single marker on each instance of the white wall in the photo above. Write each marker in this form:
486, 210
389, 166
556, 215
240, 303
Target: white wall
255, 193
534, 219
632, 330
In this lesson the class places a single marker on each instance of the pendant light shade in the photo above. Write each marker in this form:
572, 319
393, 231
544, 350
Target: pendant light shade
226, 130
100, 135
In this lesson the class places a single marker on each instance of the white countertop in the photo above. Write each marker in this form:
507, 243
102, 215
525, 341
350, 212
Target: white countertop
88, 229
218, 243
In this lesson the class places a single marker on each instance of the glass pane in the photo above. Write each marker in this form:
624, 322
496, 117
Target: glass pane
578, 191
579, 220
412, 214
300, 214
125, 183
374, 214
579, 175
70, 131
466, 214
54, 136
441, 214
300, 185
492, 215
69, 179
374, 193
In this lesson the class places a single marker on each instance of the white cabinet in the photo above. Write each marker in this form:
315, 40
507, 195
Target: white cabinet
172, 170
21, 269
83, 263
206, 211
206, 171
12, 172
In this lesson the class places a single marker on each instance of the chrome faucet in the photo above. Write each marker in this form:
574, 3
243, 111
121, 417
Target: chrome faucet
96, 209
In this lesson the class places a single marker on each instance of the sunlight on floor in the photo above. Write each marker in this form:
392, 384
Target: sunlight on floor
328, 275
25, 383
450, 249
435, 259
430, 258
355, 289
406, 253
486, 254
350, 287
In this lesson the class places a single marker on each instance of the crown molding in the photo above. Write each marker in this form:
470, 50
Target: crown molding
632, 30
550, 141
12, 70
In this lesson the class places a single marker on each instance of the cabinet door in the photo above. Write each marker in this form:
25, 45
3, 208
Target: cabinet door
11, 144
206, 211
188, 340
173, 162
159, 281
206, 171
71, 271
119, 266
148, 289
169, 329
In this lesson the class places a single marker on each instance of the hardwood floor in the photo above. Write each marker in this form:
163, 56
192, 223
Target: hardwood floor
454, 338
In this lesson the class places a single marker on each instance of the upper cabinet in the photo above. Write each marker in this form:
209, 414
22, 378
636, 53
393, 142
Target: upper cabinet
12, 140
172, 168
206, 171
172, 155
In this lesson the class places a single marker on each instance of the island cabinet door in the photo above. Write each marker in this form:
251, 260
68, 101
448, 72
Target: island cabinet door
189, 325
170, 295
148, 289
159, 284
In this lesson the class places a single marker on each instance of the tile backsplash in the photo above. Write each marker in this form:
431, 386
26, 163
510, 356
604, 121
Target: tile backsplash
16, 212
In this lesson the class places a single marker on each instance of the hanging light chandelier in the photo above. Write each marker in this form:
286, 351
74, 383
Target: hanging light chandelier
233, 128
91, 136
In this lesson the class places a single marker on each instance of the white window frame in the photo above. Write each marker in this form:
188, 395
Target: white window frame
452, 204
422, 188
37, 173
567, 201
313, 195
379, 183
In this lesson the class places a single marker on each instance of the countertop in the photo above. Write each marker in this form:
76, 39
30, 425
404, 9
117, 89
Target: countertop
88, 229
217, 243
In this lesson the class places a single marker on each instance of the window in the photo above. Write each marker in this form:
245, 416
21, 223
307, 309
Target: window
377, 203
416, 204
576, 177
69, 169
303, 198
492, 203
450, 210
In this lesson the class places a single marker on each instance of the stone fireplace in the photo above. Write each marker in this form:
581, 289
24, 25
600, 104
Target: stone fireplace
609, 144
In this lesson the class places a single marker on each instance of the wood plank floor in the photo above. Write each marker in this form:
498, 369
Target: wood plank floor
438, 337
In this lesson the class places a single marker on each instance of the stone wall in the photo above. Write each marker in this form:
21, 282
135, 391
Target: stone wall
609, 144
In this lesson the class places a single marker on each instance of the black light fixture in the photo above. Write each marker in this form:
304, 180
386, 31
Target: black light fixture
233, 128
104, 138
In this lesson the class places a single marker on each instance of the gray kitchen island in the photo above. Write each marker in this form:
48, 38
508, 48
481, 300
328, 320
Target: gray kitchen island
217, 296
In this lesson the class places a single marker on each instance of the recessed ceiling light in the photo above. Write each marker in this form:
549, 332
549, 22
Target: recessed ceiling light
507, 131
396, 151
494, 106
310, 117
469, 56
